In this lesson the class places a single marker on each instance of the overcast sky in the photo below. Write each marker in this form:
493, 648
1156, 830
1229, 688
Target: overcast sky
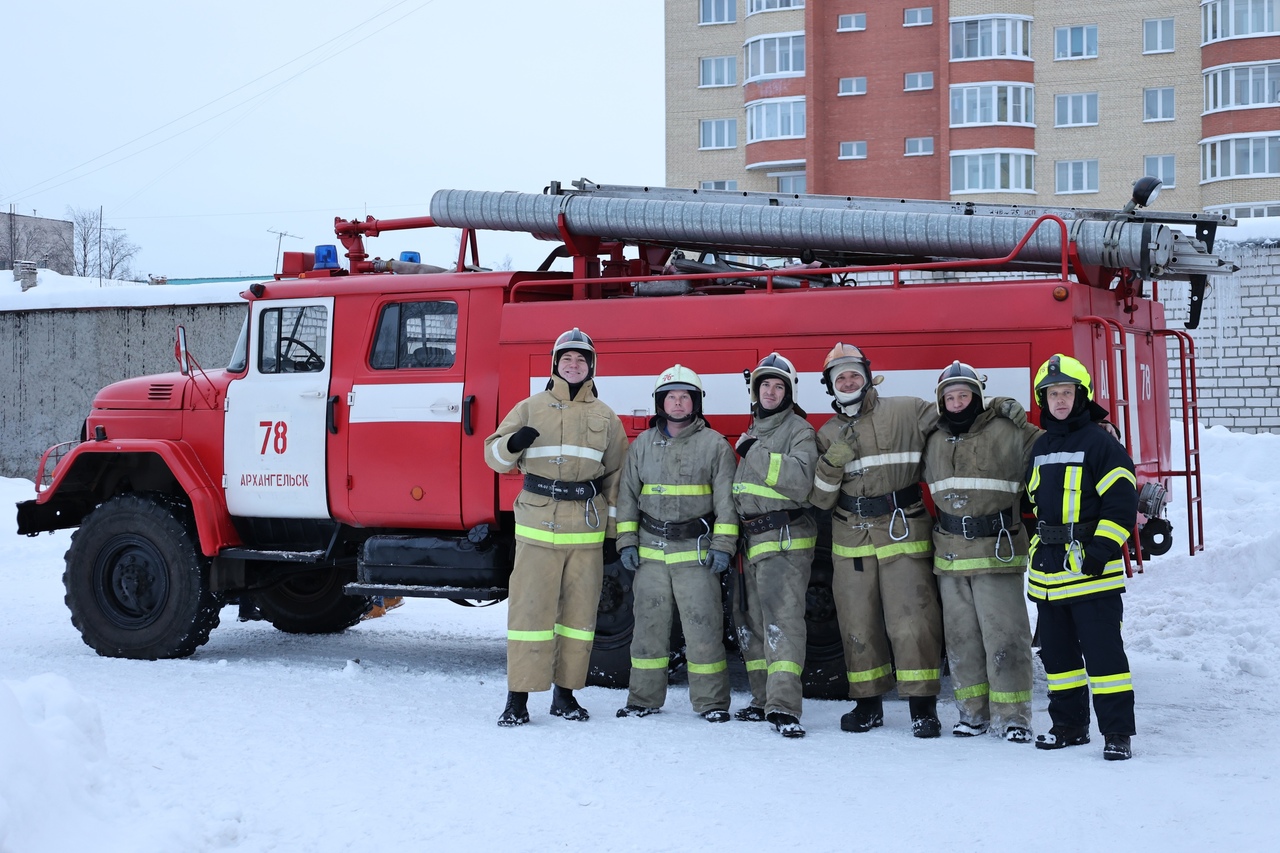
197, 127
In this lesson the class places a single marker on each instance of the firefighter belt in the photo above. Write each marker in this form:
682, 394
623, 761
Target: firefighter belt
976, 526
690, 529
562, 490
865, 507
1064, 534
775, 520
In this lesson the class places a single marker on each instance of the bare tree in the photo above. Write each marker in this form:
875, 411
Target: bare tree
117, 251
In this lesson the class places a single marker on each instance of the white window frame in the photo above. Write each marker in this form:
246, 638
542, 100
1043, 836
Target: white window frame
981, 104
1220, 156
758, 111
1162, 166
1063, 38
1079, 176
724, 185
791, 176
923, 81
917, 16
724, 67
1158, 104
991, 37
1227, 19
918, 146
853, 150
855, 22
1077, 104
725, 128
781, 49
755, 7
856, 86
1257, 208
1243, 86
1157, 35
1019, 164
715, 12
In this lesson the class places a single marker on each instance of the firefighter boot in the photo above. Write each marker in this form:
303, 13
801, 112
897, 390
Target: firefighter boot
1117, 748
517, 712
636, 711
715, 715
750, 714
786, 724
1062, 736
564, 705
865, 716
924, 716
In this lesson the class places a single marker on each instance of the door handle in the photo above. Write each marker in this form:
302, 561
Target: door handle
467, 402
331, 415
312, 395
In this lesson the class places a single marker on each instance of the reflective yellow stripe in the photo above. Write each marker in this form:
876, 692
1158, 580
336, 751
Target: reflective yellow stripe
972, 692
649, 663
775, 468
941, 563
758, 491
575, 633
924, 546
1112, 531
753, 665
1114, 476
785, 666
1011, 698
1067, 680
594, 537
531, 636
670, 559
774, 545
725, 530
628, 526
846, 551
664, 489
1119, 683
1071, 494
1041, 587
919, 675
708, 668
870, 674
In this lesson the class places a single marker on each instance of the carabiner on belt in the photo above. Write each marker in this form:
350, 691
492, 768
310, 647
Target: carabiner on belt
1073, 547
784, 535
899, 512
1004, 537
703, 542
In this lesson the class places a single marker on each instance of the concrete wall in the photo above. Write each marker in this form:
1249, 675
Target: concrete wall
53, 362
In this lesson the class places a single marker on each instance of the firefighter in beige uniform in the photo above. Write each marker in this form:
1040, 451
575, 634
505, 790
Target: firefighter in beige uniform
570, 447
677, 529
771, 491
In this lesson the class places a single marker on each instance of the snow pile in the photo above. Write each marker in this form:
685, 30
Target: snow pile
54, 290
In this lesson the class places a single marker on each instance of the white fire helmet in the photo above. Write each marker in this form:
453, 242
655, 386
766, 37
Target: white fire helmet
678, 378
574, 339
959, 373
777, 366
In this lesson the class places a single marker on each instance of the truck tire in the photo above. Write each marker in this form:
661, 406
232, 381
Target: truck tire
312, 603
137, 584
611, 651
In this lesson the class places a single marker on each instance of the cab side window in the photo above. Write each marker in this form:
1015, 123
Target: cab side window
415, 335
291, 339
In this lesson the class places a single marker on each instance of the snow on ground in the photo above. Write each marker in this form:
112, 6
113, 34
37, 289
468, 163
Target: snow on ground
54, 290
383, 737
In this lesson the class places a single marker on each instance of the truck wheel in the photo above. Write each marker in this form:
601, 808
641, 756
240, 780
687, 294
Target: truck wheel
312, 603
137, 584
611, 652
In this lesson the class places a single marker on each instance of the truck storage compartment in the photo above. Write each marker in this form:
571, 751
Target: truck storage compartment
426, 560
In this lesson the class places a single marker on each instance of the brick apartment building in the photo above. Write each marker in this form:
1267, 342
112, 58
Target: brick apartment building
1014, 101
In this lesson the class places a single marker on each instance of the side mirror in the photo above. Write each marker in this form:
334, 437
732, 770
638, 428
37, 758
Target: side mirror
180, 352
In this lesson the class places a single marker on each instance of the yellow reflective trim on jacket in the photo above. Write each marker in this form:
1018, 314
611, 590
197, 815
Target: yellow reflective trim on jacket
919, 675
785, 666
775, 468
1011, 698
1110, 530
531, 636
1071, 493
1121, 682
670, 559
664, 489
1112, 477
628, 526
922, 546
707, 668
774, 545
1067, 680
758, 491
547, 536
945, 565
870, 674
575, 633
972, 692
724, 530
1041, 588
846, 551
756, 665
650, 663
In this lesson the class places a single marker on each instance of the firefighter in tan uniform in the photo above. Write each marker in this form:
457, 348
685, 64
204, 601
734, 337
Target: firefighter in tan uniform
570, 447
974, 465
677, 529
771, 490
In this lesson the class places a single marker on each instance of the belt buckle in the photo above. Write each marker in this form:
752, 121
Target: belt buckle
857, 507
964, 527
555, 490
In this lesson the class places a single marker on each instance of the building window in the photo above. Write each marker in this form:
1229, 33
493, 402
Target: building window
1075, 110
1157, 104
1076, 42
775, 119
1242, 86
993, 171
718, 185
1263, 209
918, 17
718, 71
985, 38
793, 184
851, 23
1224, 19
919, 146
853, 150
918, 81
718, 12
992, 103
1157, 35
1160, 166
1239, 157
754, 6
718, 133
775, 56
1076, 176
853, 85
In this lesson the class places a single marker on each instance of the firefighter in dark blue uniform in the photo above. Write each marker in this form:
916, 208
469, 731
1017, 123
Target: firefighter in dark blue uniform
1082, 485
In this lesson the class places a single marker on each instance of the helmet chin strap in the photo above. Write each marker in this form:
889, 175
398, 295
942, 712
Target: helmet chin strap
684, 419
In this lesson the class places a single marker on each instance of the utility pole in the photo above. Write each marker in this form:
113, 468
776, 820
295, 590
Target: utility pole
280, 235
99, 245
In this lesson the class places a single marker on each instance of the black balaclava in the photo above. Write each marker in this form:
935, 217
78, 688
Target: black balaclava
960, 422
575, 387
760, 410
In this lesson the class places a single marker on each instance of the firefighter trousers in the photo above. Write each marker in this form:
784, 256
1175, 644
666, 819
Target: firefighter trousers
658, 590
1082, 650
551, 617
772, 632
889, 616
988, 636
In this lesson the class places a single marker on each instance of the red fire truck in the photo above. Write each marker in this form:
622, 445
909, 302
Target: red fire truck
338, 455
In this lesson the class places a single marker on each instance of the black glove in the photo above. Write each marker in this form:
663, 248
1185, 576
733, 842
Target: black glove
719, 561
1092, 565
610, 551
744, 445
630, 558
521, 438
